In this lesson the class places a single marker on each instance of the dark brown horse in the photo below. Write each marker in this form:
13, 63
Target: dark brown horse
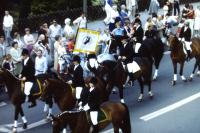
16, 94
178, 56
117, 114
116, 75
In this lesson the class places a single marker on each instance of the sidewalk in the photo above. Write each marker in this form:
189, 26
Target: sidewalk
95, 25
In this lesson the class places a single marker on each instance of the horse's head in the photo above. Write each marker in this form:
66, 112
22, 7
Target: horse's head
172, 41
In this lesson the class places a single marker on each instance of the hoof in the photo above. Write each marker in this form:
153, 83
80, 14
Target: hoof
14, 130
190, 79
139, 100
24, 126
173, 82
154, 78
185, 80
114, 92
151, 95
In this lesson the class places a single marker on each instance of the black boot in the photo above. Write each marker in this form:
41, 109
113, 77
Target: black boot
188, 55
95, 129
32, 100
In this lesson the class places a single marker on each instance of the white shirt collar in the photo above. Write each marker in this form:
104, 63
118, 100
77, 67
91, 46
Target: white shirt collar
91, 89
26, 60
76, 66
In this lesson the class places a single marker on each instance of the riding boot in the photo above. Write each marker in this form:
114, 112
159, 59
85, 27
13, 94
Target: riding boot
188, 55
32, 100
95, 129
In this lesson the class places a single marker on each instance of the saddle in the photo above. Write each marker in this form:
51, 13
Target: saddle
102, 116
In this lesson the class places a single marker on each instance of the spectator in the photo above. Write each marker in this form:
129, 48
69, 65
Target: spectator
56, 44
8, 64
41, 64
185, 11
123, 14
107, 8
131, 7
2, 47
176, 7
81, 21
197, 22
114, 17
15, 52
166, 8
190, 15
68, 30
54, 30
45, 31
28, 40
7, 27
154, 6
18, 40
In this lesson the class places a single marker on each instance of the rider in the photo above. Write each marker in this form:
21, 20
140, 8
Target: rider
93, 104
185, 36
77, 80
138, 35
27, 75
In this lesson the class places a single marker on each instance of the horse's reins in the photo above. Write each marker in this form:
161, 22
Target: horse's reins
70, 112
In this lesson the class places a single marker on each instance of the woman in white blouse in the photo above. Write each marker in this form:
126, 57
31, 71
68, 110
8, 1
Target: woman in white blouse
29, 40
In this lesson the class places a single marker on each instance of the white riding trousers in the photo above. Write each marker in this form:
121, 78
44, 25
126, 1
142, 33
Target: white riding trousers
94, 116
27, 88
78, 92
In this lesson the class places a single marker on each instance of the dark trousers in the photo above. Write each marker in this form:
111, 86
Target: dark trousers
176, 8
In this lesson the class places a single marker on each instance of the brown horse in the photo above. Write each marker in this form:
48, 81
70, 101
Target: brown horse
16, 94
64, 94
178, 56
117, 114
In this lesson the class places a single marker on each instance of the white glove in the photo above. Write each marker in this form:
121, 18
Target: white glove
179, 39
80, 104
80, 108
69, 82
119, 57
86, 107
123, 57
183, 39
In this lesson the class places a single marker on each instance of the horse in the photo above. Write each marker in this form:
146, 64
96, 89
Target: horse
112, 71
178, 56
117, 114
16, 94
64, 94
152, 49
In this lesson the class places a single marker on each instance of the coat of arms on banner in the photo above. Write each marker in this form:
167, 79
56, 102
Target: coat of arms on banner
86, 41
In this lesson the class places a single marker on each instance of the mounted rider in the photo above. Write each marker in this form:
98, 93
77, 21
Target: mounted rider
77, 80
27, 75
185, 37
93, 104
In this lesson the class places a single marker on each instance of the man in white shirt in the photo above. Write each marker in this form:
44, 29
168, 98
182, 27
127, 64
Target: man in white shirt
81, 21
7, 26
54, 30
40, 64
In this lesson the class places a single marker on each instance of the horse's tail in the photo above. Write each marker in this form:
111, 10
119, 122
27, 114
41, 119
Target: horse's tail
126, 126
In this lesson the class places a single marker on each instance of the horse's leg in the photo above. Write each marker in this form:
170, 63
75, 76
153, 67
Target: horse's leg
198, 72
49, 103
175, 73
16, 118
121, 94
157, 62
141, 89
181, 72
192, 74
23, 117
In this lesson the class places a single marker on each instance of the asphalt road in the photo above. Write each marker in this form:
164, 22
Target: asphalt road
181, 118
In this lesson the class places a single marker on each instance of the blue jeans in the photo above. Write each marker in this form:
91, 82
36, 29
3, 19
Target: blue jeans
7, 32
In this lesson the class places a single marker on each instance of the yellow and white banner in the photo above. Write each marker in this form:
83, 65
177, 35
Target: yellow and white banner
86, 41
